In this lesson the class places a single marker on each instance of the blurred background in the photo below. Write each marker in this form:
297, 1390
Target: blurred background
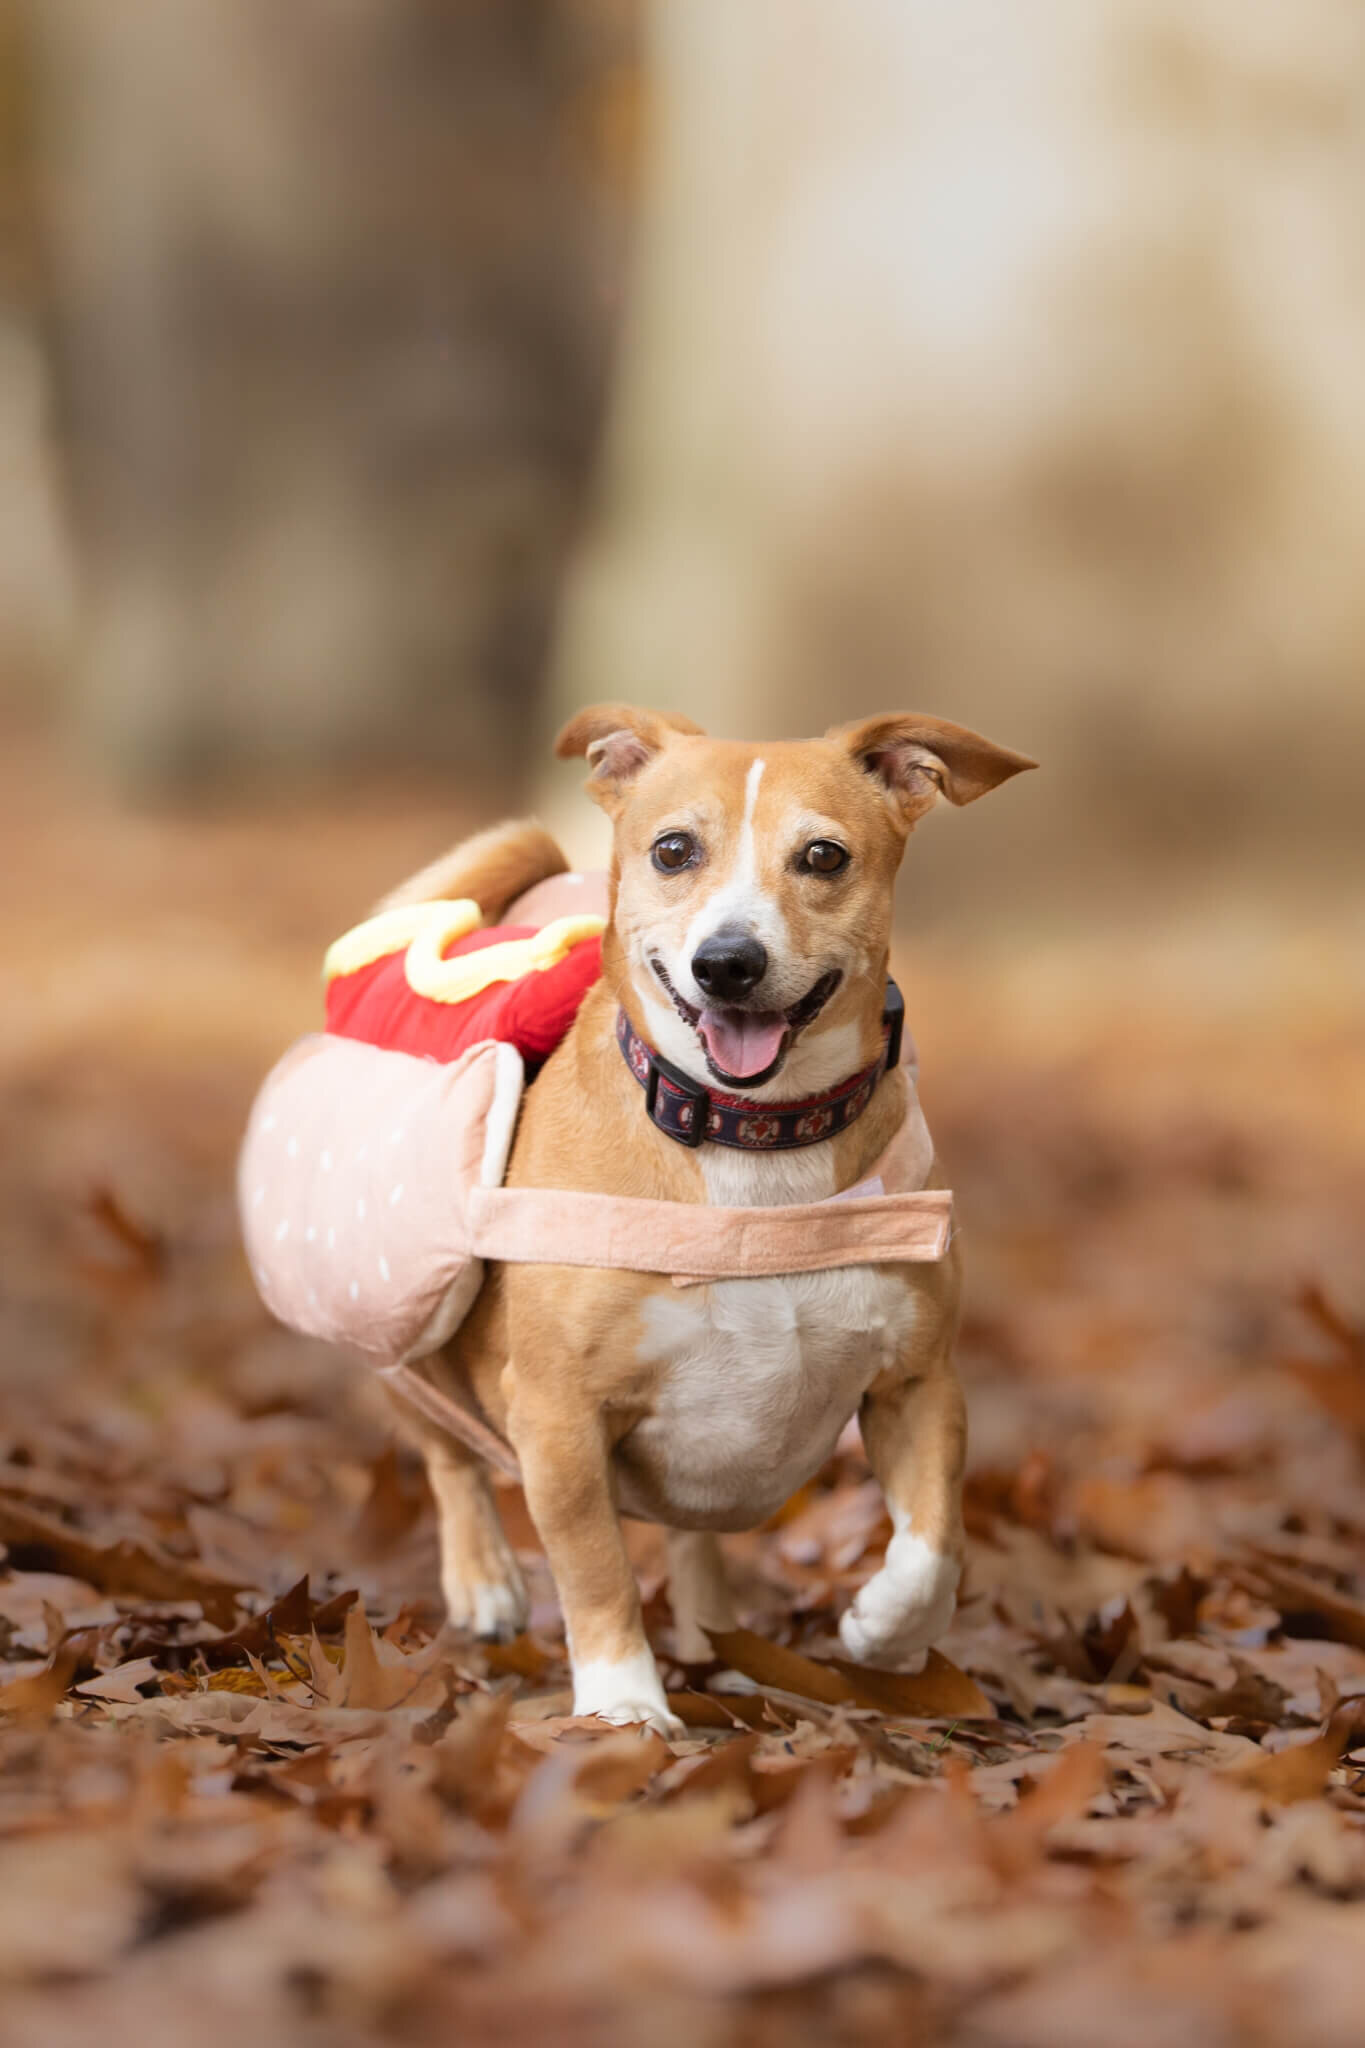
381, 378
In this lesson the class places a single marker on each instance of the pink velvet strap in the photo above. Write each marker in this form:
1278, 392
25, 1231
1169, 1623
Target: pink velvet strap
456, 1413
695, 1243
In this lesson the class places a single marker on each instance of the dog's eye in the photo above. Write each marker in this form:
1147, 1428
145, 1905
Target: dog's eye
674, 850
824, 857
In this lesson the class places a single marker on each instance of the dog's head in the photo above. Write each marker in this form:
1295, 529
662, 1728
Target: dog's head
752, 885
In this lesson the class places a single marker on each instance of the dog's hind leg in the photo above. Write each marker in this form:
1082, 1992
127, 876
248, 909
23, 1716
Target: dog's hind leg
699, 1592
480, 1577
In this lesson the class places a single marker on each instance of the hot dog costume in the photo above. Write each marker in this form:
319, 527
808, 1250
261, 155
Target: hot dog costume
370, 1178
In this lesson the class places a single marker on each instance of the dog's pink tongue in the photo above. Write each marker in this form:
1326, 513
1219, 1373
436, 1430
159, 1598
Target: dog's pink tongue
742, 1042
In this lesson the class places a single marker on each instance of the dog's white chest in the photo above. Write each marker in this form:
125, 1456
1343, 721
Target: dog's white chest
756, 1380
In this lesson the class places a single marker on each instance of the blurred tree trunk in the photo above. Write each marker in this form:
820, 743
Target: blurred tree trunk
1005, 362
35, 566
332, 297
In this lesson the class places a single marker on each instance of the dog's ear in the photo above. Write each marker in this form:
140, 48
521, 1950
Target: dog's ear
618, 740
917, 758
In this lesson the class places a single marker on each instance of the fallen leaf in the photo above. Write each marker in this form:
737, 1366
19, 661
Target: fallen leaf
1297, 1592
941, 1690
616, 1767
1301, 1769
1060, 1792
123, 1566
36, 1697
365, 1682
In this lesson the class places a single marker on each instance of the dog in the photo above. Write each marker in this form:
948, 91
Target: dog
750, 912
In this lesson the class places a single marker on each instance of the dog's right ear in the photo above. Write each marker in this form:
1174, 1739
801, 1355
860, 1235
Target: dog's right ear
618, 740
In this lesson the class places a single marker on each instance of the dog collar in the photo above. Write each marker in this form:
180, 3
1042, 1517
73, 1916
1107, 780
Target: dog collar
685, 1110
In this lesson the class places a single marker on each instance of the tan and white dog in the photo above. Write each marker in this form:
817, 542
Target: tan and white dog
750, 923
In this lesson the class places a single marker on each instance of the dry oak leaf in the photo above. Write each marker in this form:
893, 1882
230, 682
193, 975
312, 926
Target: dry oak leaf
1301, 1771
1165, 1732
365, 1681
1018, 1839
940, 1691
37, 1696
126, 1566
1294, 1591
732, 1710
293, 1614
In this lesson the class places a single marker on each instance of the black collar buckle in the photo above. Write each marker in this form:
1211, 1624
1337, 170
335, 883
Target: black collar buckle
893, 1024
687, 1133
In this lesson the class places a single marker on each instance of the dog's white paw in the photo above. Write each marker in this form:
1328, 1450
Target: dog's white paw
495, 1609
624, 1691
642, 1714
904, 1608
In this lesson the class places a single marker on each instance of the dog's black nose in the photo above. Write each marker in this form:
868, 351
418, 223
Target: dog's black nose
729, 966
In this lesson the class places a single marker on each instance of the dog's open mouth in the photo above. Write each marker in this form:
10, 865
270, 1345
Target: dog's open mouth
748, 1046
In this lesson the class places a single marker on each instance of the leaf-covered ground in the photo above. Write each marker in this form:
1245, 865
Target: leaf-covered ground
249, 1790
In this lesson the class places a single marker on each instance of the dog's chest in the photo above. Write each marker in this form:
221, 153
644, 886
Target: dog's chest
755, 1380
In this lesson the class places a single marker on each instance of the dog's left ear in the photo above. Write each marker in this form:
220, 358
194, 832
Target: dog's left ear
916, 758
618, 740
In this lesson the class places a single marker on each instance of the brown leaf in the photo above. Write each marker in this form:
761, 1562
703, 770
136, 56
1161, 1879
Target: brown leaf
407, 1814
725, 1768
769, 1664
36, 1697
617, 1766
1302, 1770
940, 1690
368, 1683
716, 1710
1297, 1592
466, 1754
1252, 1697
124, 1566
521, 1658
329, 1617
1176, 1599
774, 1781
1337, 1384
1060, 1793
1111, 1641
810, 1837
293, 1614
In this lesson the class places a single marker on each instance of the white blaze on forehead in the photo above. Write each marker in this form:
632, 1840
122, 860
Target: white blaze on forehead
746, 837
740, 900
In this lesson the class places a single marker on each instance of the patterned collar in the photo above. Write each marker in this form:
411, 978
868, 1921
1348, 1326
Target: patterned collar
682, 1109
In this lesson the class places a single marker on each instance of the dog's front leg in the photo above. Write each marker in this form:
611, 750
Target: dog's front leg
566, 1472
915, 1432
